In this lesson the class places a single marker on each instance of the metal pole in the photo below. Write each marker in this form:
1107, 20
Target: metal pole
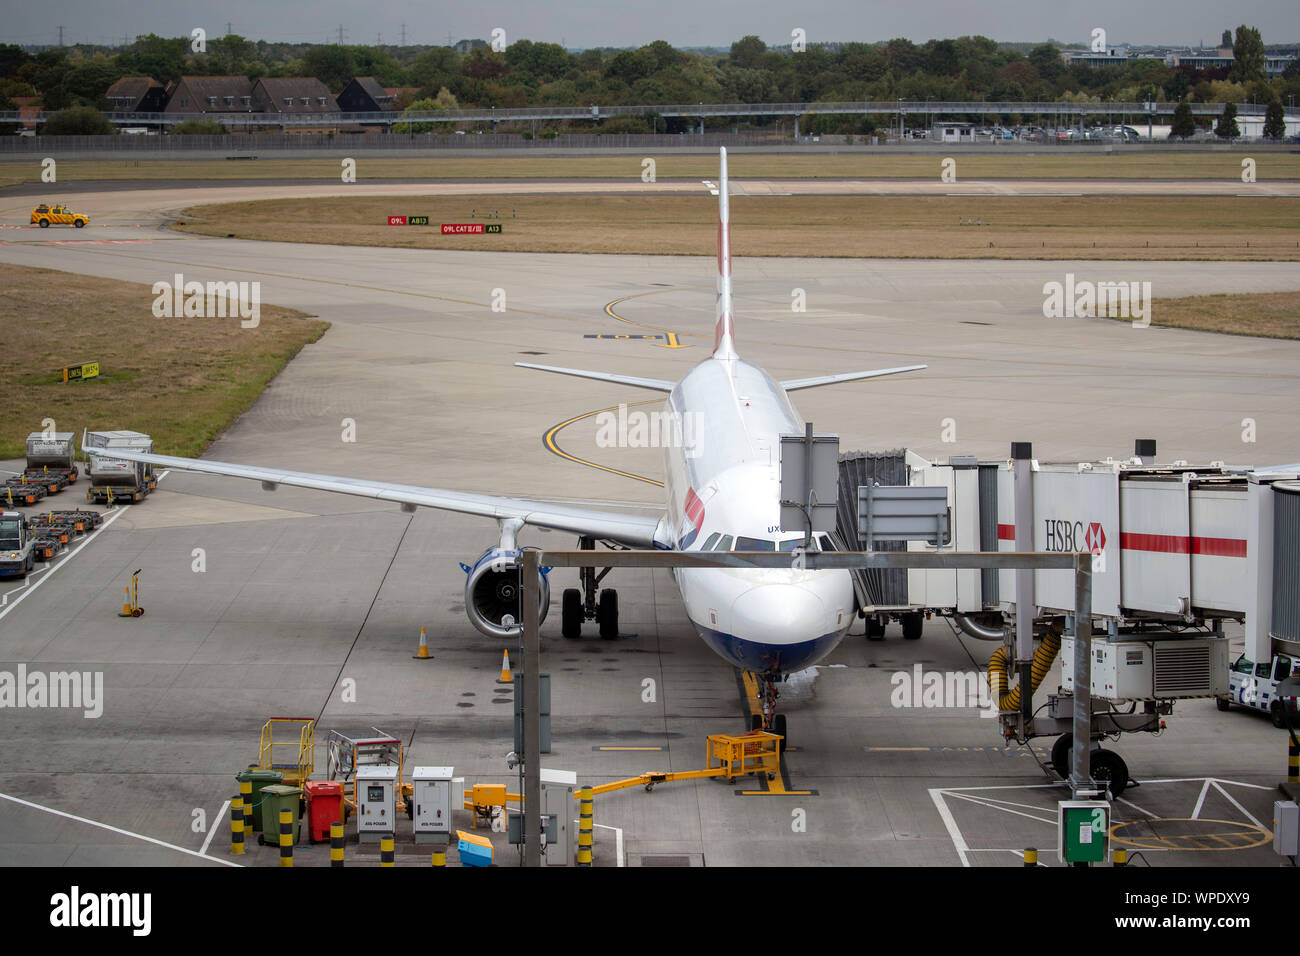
531, 686
1022, 454
808, 480
1081, 770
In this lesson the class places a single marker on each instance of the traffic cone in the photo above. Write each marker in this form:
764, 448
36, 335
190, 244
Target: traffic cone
423, 653
126, 606
505, 677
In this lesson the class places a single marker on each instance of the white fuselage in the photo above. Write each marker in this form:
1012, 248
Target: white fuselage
723, 486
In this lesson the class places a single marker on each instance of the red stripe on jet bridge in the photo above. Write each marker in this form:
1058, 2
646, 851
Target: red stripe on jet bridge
694, 508
1182, 544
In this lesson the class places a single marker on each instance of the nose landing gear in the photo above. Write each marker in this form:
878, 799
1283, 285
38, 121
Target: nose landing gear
769, 719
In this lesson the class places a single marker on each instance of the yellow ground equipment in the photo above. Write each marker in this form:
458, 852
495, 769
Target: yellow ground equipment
288, 745
727, 755
58, 214
484, 798
132, 608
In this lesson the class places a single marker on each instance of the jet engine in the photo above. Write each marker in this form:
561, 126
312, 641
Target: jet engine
492, 592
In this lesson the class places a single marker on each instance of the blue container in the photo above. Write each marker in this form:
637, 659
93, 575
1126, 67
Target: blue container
471, 854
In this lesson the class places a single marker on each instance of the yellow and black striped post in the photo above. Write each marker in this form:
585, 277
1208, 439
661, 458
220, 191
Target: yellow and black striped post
586, 829
386, 852
246, 794
1031, 856
236, 826
286, 838
1293, 762
336, 844
1121, 857
439, 858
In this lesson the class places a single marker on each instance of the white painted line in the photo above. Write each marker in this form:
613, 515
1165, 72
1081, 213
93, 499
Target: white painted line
618, 840
1246, 813
118, 830
1200, 801
1130, 803
72, 554
954, 833
1050, 821
1240, 783
216, 825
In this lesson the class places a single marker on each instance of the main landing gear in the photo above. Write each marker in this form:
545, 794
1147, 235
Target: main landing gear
590, 603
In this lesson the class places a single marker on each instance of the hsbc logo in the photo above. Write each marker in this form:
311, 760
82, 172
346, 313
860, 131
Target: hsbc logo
1070, 536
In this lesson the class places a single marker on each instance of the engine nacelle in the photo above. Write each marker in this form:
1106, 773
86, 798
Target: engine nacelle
492, 592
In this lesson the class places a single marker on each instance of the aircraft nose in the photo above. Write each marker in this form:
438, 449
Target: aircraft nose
778, 614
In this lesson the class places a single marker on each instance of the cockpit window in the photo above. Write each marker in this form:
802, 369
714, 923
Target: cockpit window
710, 541
724, 544
754, 544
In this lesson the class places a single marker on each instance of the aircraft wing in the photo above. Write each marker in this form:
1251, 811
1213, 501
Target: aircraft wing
658, 384
633, 530
796, 383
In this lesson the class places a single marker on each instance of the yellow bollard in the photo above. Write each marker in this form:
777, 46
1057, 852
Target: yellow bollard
439, 858
286, 838
386, 851
336, 844
1031, 856
1293, 762
586, 826
1121, 857
237, 826
246, 795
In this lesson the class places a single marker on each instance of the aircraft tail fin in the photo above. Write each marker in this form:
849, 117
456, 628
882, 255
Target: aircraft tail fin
724, 345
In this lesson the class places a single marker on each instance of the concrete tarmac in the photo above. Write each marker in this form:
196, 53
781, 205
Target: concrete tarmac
310, 604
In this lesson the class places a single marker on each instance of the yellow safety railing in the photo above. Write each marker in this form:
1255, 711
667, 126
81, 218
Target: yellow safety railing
280, 733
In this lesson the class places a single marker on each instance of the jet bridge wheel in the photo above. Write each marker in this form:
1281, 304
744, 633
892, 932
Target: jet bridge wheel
571, 613
912, 626
607, 614
875, 629
1108, 767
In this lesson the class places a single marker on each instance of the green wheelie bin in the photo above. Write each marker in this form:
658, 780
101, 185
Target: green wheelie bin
277, 797
259, 779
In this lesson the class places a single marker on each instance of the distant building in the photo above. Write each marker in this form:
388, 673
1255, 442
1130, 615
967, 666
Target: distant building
210, 94
363, 94
953, 133
1113, 56
465, 46
292, 94
137, 94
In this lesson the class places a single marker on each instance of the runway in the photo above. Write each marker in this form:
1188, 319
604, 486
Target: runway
303, 591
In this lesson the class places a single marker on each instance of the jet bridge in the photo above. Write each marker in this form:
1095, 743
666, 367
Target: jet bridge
1178, 549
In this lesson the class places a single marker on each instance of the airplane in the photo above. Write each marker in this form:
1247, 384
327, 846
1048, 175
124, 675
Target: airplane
723, 493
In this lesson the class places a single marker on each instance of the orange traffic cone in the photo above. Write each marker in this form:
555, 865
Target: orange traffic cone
126, 606
423, 653
505, 677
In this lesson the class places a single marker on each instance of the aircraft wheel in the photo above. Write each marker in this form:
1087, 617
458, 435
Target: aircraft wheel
607, 614
571, 613
778, 727
912, 625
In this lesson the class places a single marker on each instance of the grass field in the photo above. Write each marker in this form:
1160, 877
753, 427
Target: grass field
183, 381
1068, 164
1274, 315
839, 226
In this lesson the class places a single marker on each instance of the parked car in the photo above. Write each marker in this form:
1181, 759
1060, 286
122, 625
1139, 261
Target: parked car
1254, 685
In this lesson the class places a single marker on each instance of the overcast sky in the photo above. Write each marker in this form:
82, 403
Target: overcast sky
585, 23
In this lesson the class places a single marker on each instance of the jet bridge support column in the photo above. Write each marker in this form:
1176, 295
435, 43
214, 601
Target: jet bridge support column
1022, 454
1081, 783
531, 687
